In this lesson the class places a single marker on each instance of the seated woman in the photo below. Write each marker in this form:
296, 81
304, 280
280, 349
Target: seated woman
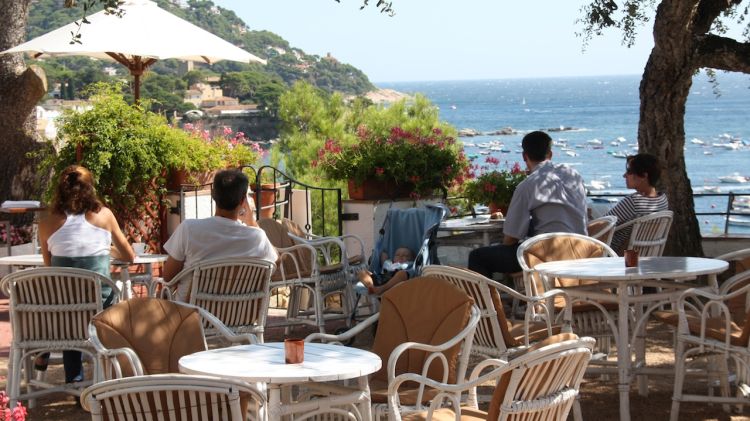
79, 233
642, 172
394, 271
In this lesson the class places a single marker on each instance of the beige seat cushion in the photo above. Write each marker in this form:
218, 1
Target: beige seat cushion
403, 318
715, 327
562, 248
159, 331
447, 414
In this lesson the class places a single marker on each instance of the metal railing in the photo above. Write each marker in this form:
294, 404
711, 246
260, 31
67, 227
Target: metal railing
270, 182
728, 212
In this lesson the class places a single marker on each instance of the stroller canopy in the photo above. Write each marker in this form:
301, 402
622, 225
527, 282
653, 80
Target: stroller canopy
414, 228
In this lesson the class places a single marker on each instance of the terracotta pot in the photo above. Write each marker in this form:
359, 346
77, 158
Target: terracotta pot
181, 177
266, 196
372, 189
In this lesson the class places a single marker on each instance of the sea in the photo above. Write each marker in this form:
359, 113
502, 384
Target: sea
594, 123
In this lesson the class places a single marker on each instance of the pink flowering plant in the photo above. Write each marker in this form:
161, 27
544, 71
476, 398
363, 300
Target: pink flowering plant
18, 413
222, 150
427, 161
493, 184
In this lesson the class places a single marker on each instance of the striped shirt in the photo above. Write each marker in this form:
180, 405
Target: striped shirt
632, 207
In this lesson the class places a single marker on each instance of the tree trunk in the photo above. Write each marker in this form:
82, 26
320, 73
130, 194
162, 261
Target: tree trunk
20, 90
664, 89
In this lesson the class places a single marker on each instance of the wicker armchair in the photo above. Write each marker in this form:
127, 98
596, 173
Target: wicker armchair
144, 336
310, 282
602, 229
236, 290
412, 340
172, 397
714, 326
647, 234
541, 384
588, 317
50, 309
496, 336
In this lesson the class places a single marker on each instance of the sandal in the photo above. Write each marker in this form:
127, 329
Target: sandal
40, 362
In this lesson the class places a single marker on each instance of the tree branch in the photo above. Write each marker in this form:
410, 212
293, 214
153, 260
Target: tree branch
722, 53
709, 11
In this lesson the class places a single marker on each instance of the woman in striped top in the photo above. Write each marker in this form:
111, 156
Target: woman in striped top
642, 172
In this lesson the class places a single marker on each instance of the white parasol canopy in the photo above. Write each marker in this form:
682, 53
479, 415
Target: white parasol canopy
144, 34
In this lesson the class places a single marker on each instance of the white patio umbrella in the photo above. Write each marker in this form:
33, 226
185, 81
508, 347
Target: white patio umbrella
144, 34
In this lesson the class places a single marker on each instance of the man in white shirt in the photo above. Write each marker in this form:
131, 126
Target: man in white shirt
231, 232
551, 199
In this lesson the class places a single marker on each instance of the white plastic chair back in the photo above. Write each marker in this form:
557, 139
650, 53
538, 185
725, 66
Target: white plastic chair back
602, 229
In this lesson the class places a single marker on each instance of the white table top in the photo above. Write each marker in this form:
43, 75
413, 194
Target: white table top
613, 268
37, 260
265, 363
477, 223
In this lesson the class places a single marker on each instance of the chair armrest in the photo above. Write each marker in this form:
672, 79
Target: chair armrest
290, 254
225, 332
466, 334
346, 336
110, 356
451, 392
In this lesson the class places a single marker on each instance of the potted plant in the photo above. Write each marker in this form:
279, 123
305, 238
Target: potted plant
403, 163
494, 187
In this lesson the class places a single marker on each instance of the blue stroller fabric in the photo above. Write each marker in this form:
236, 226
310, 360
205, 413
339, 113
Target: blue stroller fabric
415, 228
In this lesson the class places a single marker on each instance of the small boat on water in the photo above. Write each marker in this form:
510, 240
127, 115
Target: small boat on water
571, 153
734, 178
711, 189
594, 142
604, 199
697, 141
619, 154
739, 221
597, 185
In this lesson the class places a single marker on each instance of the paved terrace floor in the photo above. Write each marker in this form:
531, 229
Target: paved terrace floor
599, 399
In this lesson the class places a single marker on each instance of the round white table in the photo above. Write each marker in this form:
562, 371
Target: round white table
264, 363
147, 260
612, 273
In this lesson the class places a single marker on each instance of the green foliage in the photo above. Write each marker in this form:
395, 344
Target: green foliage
128, 147
429, 161
496, 186
311, 118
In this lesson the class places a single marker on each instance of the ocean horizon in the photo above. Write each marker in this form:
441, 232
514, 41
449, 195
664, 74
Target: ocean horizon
594, 122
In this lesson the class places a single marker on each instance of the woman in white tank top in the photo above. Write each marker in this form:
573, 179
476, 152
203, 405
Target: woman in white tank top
79, 232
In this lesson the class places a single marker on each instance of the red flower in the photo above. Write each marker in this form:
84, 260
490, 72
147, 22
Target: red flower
379, 170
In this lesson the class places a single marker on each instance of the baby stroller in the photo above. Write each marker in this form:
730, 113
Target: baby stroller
413, 228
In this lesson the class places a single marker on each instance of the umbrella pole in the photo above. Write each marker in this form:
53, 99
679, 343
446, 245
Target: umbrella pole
136, 88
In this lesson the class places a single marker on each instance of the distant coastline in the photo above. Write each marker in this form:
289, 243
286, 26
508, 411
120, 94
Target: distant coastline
386, 96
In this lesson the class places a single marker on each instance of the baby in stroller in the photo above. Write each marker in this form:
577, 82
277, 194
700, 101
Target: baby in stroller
394, 271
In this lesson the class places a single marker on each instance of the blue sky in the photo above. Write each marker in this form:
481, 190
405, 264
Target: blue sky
448, 39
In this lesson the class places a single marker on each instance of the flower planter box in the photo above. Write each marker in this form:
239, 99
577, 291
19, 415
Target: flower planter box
372, 189
178, 178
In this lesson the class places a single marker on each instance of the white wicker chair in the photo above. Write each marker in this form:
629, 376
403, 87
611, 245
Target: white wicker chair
50, 309
714, 326
171, 397
144, 336
603, 229
589, 318
235, 290
299, 268
541, 384
495, 336
648, 234
413, 339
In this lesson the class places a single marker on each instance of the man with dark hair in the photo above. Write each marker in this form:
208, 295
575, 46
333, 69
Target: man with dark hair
551, 199
231, 232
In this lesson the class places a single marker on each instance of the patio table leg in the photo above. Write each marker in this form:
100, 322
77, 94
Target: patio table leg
366, 406
640, 344
623, 354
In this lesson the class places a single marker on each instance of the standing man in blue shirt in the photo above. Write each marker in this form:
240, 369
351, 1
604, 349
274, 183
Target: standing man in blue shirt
551, 199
